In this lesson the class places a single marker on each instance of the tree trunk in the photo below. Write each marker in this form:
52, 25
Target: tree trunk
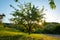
29, 29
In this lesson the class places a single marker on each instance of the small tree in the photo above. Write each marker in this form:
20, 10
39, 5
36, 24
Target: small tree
1, 18
28, 16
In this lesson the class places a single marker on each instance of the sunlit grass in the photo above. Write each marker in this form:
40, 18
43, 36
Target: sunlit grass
17, 35
7, 33
25, 35
44, 37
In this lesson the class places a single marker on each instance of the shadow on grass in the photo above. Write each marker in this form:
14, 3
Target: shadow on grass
32, 38
18, 37
10, 37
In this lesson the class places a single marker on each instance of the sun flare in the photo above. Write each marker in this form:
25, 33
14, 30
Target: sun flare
40, 23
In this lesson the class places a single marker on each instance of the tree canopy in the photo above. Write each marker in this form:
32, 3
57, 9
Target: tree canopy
28, 16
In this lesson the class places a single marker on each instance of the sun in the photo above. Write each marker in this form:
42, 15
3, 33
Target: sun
40, 23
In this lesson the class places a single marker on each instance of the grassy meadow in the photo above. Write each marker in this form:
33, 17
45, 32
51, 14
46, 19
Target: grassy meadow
12, 34
27, 22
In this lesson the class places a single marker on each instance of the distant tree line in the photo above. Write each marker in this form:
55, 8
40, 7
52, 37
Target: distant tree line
49, 28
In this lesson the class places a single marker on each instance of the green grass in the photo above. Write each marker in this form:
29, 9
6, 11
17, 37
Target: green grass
44, 37
9, 31
12, 34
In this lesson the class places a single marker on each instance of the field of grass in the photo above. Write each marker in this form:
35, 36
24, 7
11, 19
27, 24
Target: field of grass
12, 34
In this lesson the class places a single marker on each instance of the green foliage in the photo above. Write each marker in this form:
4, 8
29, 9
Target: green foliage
57, 29
49, 28
52, 4
27, 16
1, 18
52, 28
16, 0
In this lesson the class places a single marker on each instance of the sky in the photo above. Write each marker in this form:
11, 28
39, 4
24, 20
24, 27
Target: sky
51, 15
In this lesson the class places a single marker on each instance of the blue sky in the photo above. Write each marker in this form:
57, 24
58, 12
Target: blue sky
51, 15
